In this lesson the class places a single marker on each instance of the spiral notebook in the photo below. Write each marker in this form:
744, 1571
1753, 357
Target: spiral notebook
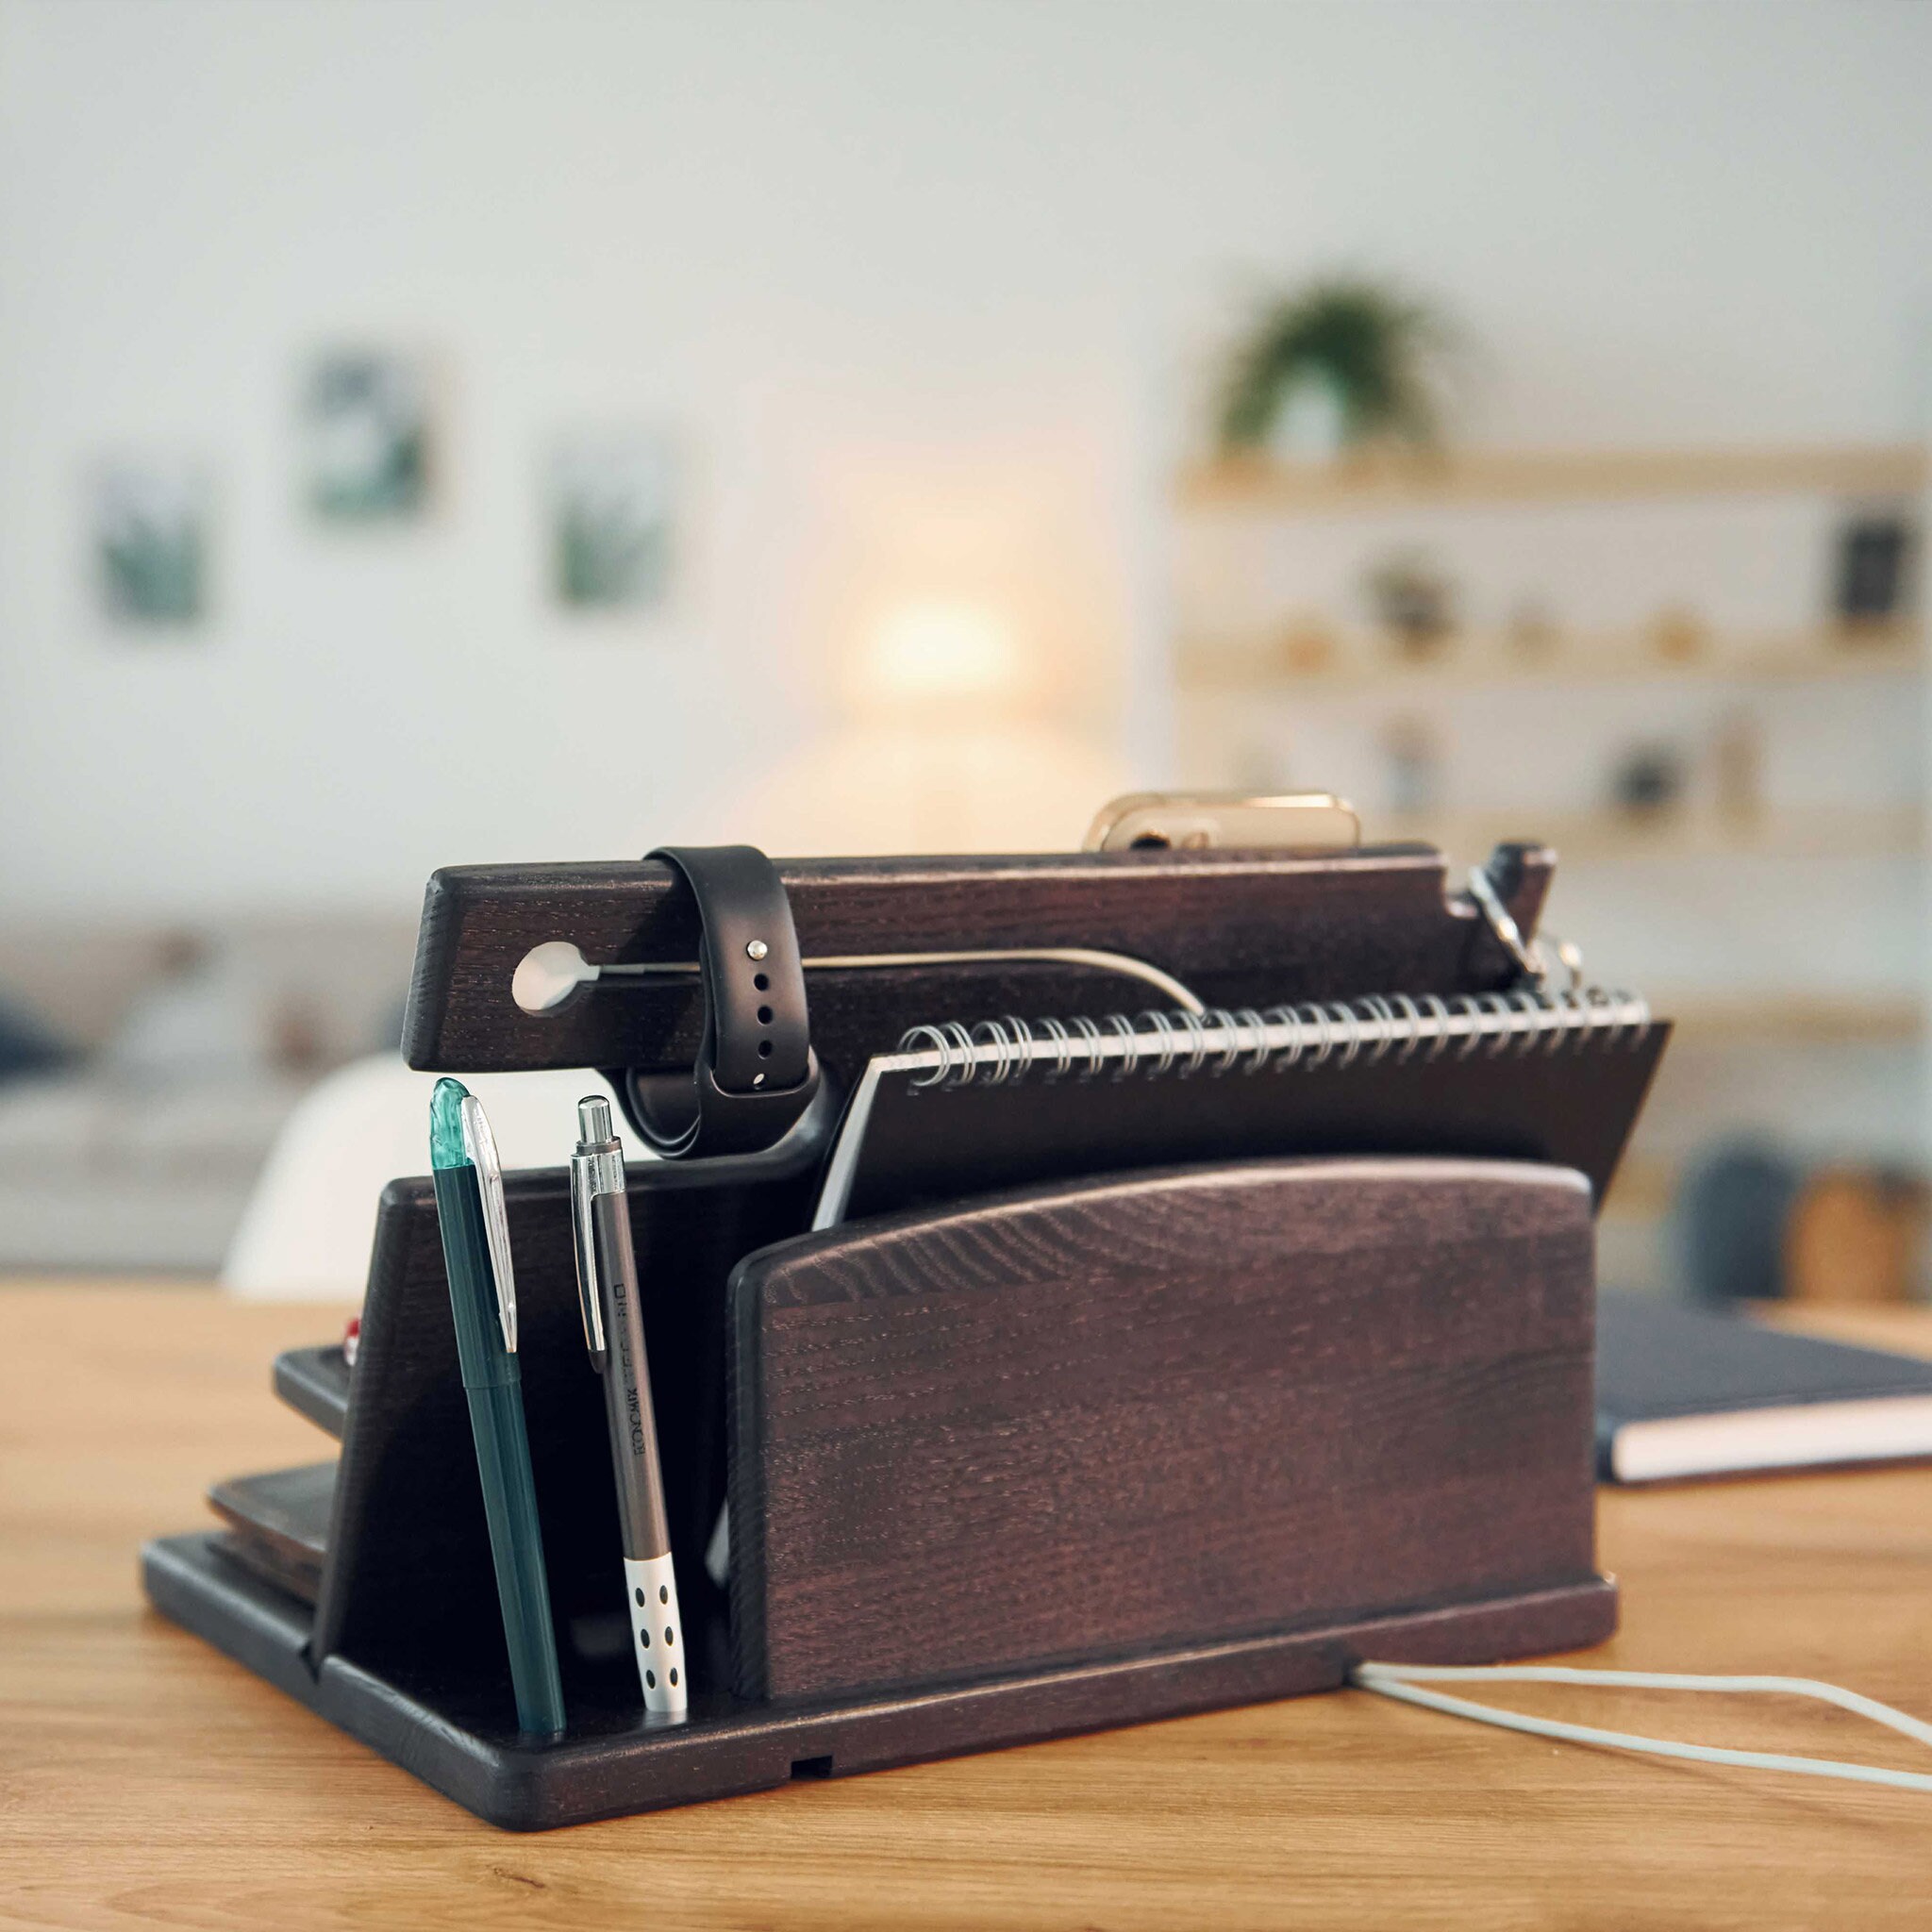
965, 1109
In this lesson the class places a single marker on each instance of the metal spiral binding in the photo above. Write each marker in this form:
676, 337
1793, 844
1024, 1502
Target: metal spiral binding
1316, 1034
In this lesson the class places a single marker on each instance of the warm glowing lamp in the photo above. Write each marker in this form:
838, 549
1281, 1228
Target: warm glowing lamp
930, 655
940, 751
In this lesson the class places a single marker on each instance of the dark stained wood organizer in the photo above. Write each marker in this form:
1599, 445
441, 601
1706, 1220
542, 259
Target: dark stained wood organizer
1033, 1463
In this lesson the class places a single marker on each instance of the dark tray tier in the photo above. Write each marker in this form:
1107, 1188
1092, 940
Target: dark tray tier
314, 1382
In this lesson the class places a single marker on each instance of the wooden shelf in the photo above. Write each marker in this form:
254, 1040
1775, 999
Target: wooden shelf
1881, 833
1643, 1189
1646, 1185
1373, 481
1253, 667
1801, 1018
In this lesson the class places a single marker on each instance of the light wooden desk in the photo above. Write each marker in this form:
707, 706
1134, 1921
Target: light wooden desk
144, 1778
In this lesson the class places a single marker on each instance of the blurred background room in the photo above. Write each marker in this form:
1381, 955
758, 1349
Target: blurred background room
497, 430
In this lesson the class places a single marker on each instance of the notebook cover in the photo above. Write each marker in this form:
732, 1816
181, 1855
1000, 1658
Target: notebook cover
1572, 1109
1657, 1360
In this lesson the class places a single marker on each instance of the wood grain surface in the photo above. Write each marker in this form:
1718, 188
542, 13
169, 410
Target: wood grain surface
1242, 928
149, 1781
1158, 1410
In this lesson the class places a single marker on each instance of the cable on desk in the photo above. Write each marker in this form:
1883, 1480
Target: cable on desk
1402, 1681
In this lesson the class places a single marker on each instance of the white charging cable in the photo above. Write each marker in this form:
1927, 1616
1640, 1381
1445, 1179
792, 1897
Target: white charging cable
1403, 1681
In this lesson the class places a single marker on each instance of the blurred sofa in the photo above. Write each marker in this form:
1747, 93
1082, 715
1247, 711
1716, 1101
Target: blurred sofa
185, 1051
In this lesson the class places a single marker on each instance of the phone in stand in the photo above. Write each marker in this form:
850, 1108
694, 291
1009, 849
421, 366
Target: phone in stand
1207, 820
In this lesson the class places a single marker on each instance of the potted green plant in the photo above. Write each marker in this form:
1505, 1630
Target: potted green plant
1339, 363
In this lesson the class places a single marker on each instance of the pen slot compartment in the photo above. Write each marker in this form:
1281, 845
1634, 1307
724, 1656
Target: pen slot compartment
409, 1589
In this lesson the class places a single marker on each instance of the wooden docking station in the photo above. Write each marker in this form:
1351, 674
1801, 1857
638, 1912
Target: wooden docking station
1029, 1464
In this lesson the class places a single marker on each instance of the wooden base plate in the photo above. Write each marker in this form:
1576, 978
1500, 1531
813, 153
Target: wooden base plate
608, 1765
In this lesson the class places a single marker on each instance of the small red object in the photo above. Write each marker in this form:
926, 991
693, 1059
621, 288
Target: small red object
352, 1336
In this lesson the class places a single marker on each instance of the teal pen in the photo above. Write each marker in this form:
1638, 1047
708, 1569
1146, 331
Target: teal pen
483, 1299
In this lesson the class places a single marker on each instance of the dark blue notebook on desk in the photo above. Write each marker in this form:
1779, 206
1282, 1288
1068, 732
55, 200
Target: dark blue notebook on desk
1681, 1392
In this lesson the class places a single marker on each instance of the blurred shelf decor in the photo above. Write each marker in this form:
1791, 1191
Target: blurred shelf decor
1357, 478
1256, 667
1340, 364
1698, 673
1600, 837
1788, 1017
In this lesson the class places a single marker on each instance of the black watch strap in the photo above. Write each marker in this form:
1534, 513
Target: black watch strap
756, 1071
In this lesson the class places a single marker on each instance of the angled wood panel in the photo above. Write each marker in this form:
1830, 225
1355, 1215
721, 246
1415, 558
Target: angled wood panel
1172, 1408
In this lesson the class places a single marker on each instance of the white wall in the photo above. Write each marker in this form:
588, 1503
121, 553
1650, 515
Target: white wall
922, 286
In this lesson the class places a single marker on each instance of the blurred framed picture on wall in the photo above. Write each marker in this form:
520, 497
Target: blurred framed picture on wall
150, 537
609, 502
368, 436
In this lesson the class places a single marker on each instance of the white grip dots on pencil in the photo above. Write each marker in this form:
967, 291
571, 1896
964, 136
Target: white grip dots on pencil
658, 1634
